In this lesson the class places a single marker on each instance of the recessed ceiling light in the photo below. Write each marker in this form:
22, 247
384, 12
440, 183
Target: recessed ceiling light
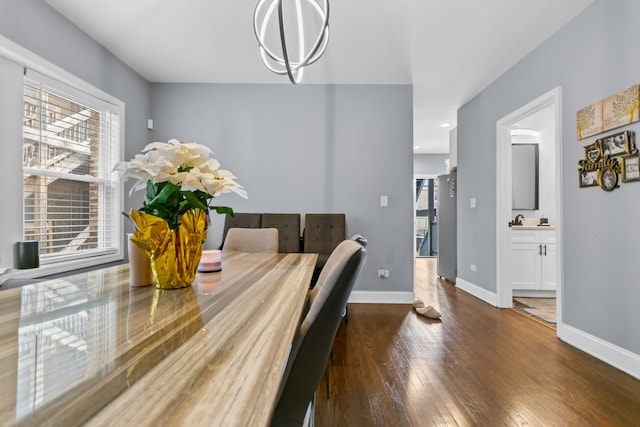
416, 147
445, 125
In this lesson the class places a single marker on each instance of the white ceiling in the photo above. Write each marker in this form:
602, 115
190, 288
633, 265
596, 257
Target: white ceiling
448, 49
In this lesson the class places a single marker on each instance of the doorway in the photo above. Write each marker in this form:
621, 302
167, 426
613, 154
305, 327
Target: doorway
425, 219
504, 198
426, 224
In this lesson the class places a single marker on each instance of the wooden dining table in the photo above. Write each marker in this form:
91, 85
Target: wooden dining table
89, 349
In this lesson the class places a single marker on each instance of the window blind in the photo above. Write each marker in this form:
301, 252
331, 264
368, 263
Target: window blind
70, 194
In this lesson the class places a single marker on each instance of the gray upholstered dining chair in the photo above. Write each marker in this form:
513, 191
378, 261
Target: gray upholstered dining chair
241, 220
322, 234
251, 240
312, 346
288, 225
360, 239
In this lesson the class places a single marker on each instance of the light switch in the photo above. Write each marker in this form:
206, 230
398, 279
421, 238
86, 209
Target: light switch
472, 202
384, 200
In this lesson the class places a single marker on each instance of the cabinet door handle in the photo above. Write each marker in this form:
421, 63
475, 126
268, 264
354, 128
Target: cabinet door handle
540, 250
545, 250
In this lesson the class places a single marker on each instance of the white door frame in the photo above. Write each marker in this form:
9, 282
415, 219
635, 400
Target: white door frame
504, 292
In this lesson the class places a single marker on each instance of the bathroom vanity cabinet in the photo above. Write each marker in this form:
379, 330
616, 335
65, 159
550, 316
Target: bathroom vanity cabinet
533, 258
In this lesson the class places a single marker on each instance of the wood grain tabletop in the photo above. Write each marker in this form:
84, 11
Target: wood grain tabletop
89, 349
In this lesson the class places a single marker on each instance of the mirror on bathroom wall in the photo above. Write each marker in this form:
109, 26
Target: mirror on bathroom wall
525, 176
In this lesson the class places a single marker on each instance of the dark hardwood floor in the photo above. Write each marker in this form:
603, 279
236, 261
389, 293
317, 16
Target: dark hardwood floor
478, 366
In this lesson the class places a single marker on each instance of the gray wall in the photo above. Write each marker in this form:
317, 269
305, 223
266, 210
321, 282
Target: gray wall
11, 115
40, 29
296, 149
429, 164
594, 56
309, 149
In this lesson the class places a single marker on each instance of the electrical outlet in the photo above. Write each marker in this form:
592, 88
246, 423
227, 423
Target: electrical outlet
383, 272
473, 267
384, 200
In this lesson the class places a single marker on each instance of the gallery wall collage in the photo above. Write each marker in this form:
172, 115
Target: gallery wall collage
613, 158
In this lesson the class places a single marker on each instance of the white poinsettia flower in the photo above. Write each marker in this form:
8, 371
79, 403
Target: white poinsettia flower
191, 181
156, 146
210, 166
210, 184
188, 166
181, 154
186, 158
225, 184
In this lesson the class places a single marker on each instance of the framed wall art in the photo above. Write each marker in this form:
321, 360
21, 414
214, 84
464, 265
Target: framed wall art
610, 160
615, 145
607, 178
609, 113
588, 179
631, 168
589, 120
620, 109
593, 152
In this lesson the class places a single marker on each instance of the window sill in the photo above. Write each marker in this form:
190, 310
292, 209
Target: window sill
59, 267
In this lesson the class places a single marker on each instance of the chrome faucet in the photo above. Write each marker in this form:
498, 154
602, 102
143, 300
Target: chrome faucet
518, 219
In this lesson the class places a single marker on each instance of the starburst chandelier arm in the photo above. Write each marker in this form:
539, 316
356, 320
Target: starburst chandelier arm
294, 69
283, 41
321, 42
267, 55
299, 67
260, 31
265, 61
320, 50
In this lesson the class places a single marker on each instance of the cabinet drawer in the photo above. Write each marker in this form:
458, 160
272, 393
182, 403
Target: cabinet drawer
525, 236
533, 236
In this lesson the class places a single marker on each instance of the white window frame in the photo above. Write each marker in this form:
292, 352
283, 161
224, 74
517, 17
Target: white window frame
19, 55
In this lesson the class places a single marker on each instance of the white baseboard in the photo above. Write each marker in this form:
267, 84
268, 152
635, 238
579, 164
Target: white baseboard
381, 297
610, 353
477, 291
534, 294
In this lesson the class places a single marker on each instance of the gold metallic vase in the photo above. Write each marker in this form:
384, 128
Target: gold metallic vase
174, 254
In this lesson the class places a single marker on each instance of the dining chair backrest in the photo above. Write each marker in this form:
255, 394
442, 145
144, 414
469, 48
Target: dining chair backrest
312, 346
241, 220
360, 239
322, 234
251, 240
288, 225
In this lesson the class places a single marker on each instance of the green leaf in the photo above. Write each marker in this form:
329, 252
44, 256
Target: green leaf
164, 195
223, 210
168, 201
194, 201
151, 192
157, 210
183, 206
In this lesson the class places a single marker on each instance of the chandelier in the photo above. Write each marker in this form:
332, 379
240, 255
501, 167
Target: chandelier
293, 55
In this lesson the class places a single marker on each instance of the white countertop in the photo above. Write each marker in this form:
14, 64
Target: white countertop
533, 227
